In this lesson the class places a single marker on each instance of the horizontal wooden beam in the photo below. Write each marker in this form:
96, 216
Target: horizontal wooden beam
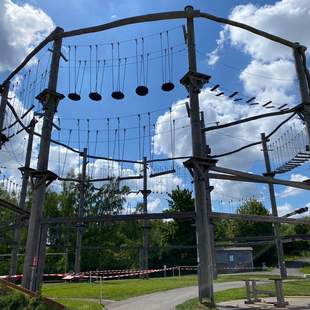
12, 207
228, 177
248, 28
249, 119
259, 218
258, 178
119, 217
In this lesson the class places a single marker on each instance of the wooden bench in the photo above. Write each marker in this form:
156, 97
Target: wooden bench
252, 292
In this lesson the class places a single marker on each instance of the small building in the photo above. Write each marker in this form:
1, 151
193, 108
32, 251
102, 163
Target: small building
234, 259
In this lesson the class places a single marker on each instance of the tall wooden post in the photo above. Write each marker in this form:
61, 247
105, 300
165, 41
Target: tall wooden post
80, 226
304, 83
145, 192
4, 97
49, 99
207, 153
22, 198
201, 185
276, 226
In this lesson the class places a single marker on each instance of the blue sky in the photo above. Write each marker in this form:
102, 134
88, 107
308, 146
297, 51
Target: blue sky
239, 62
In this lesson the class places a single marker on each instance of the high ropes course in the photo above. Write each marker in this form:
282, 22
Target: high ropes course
30, 97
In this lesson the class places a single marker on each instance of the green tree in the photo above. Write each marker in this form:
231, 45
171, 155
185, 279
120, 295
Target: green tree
262, 253
179, 235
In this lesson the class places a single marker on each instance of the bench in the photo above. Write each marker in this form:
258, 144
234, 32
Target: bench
252, 292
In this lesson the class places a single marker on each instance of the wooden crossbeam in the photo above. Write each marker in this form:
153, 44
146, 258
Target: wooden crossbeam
120, 217
249, 177
12, 207
259, 218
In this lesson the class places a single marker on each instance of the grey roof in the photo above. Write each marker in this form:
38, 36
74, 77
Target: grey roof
235, 249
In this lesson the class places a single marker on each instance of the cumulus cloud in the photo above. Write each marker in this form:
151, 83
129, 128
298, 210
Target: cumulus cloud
287, 208
270, 75
286, 18
290, 191
21, 28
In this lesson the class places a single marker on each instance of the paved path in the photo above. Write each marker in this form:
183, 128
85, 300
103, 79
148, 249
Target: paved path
166, 300
296, 303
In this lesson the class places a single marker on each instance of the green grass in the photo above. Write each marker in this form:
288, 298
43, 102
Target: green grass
79, 304
123, 289
292, 288
305, 269
118, 289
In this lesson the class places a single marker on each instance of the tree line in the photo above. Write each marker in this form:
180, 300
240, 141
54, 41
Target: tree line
118, 245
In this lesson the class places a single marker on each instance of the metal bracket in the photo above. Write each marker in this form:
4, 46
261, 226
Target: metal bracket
44, 96
145, 192
42, 176
195, 79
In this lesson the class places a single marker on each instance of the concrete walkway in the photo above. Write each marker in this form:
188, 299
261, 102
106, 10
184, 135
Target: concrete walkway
166, 300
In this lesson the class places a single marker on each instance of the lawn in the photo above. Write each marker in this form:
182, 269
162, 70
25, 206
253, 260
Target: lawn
80, 304
305, 269
117, 289
123, 289
292, 288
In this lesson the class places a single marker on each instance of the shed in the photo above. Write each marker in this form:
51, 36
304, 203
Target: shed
234, 259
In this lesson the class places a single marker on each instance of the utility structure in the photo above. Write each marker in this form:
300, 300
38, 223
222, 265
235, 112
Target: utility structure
199, 165
41, 177
304, 82
4, 91
193, 82
276, 226
23, 194
146, 226
80, 226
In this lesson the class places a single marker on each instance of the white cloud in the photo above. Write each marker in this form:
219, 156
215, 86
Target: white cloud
21, 28
287, 208
286, 18
290, 191
154, 205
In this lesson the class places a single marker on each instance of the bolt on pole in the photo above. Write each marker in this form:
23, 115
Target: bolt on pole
202, 190
50, 102
276, 226
79, 231
22, 199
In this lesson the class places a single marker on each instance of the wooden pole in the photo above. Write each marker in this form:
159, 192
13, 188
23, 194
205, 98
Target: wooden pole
22, 199
79, 229
276, 226
304, 87
50, 103
207, 153
202, 187
4, 99
146, 227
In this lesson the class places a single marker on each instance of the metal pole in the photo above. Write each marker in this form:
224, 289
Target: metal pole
276, 226
202, 189
146, 227
50, 105
303, 79
22, 198
79, 231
